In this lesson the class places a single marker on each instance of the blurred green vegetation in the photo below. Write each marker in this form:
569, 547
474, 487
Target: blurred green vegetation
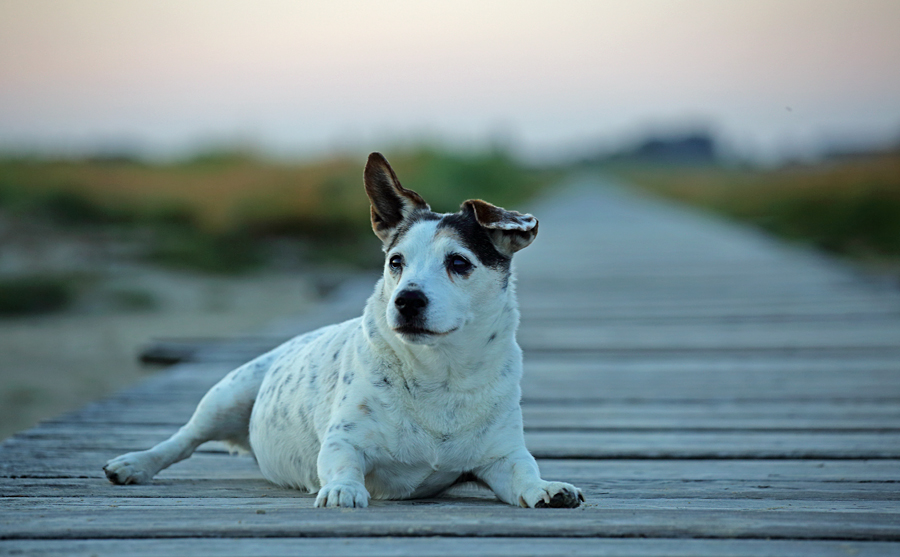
35, 294
849, 205
211, 212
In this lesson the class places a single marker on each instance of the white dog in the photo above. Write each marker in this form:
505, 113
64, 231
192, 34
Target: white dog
417, 395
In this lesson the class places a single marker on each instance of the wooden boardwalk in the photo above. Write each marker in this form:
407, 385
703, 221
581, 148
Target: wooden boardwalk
713, 392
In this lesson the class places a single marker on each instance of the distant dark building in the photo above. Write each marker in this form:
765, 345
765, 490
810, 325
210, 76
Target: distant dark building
687, 149
694, 148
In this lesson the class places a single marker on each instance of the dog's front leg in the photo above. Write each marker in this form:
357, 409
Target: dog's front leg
341, 469
516, 480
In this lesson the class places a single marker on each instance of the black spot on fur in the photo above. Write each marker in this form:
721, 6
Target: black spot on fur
491, 338
332, 379
348, 377
346, 426
303, 417
382, 383
476, 239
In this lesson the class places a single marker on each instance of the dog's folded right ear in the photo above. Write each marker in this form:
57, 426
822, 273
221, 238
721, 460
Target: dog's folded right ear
509, 231
391, 202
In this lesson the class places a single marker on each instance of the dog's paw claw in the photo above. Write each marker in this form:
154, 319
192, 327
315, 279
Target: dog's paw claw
346, 493
554, 495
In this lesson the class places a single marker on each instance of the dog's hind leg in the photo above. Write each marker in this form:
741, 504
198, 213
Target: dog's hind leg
222, 415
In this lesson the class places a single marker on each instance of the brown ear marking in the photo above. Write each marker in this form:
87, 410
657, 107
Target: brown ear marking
510, 231
391, 202
498, 218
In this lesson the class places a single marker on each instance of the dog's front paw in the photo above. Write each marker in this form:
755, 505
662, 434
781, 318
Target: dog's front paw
132, 468
343, 493
551, 494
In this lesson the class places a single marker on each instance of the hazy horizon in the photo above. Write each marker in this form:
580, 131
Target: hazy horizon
770, 79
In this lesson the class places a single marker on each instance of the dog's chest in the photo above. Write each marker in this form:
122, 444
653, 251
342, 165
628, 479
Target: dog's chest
421, 457
439, 428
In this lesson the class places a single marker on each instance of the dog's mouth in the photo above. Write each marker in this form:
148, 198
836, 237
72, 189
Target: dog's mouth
413, 331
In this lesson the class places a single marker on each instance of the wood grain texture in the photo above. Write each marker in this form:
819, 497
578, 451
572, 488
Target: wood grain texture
712, 391
444, 547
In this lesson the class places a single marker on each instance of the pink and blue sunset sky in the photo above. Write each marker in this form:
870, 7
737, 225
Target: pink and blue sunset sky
772, 78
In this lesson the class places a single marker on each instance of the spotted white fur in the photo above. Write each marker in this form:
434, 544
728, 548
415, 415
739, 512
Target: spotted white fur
418, 394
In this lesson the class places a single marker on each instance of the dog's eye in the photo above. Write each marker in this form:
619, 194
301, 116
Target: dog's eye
395, 262
459, 264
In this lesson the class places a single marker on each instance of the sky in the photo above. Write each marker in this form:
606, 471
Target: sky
773, 79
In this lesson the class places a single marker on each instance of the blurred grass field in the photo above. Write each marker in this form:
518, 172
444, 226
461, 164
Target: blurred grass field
226, 212
208, 212
231, 212
845, 205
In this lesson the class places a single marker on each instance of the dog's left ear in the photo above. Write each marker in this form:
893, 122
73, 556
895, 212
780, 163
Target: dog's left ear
391, 202
509, 231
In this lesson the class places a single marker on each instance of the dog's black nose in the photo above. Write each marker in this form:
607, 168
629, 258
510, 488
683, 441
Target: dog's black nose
410, 302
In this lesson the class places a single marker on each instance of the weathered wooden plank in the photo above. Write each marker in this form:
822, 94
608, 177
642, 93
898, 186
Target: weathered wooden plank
597, 504
598, 490
624, 378
555, 296
719, 377
561, 297
219, 465
741, 445
61, 463
446, 547
652, 317
709, 416
631, 415
639, 375
677, 444
267, 517
878, 329
738, 336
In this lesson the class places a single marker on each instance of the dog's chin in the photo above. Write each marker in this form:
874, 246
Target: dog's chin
419, 335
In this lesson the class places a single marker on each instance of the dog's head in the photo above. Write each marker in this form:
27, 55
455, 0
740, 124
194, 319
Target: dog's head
442, 271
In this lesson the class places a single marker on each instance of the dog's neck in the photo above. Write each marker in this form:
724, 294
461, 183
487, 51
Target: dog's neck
468, 359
